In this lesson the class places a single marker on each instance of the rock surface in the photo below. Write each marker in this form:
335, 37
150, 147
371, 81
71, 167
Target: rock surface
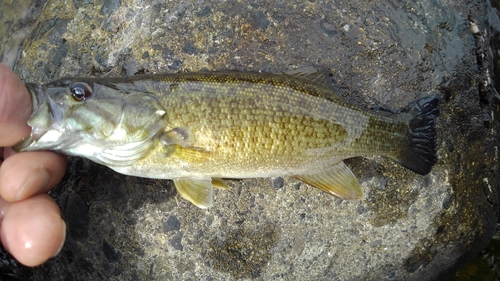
385, 53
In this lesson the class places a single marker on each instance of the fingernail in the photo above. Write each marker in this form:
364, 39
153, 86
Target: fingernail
63, 240
37, 180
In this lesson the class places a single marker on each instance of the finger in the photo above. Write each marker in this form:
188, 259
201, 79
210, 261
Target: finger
25, 174
3, 208
32, 230
7, 152
15, 108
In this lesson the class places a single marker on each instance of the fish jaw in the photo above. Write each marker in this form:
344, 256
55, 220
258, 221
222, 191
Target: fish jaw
45, 121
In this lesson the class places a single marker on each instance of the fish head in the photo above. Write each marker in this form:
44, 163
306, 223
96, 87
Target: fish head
92, 118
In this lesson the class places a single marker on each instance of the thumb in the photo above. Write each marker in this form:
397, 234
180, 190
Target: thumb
15, 108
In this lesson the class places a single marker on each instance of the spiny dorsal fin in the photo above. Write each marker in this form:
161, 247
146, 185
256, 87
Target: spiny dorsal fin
338, 181
317, 74
196, 191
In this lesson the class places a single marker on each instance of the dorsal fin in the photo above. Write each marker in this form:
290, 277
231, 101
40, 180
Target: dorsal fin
320, 76
317, 74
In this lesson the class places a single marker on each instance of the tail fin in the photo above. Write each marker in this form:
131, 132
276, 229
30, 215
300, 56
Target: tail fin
420, 154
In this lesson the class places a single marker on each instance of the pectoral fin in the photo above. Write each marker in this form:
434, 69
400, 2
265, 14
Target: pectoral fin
338, 181
197, 191
177, 144
192, 154
178, 136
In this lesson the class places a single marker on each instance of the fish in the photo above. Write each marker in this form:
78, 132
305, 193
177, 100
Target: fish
198, 128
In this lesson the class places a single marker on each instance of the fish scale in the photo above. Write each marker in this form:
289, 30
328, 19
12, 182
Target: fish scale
196, 128
256, 128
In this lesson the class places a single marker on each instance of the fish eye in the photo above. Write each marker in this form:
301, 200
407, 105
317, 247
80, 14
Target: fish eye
80, 91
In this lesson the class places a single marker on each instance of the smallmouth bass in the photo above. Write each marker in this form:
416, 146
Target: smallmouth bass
197, 128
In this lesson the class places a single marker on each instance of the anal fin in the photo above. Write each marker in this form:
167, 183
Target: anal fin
219, 183
196, 190
338, 181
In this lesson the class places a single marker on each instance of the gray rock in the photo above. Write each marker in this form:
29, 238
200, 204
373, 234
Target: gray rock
278, 182
77, 214
409, 227
112, 255
171, 224
110, 6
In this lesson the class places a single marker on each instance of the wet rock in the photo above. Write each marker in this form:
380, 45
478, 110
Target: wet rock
190, 48
81, 3
176, 241
111, 254
243, 254
110, 6
278, 182
175, 65
409, 227
10, 269
52, 29
328, 28
259, 20
204, 12
76, 216
171, 224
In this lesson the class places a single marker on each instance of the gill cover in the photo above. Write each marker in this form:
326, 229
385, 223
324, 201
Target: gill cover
92, 118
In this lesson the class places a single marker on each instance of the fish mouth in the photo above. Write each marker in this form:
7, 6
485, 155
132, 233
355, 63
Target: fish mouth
46, 113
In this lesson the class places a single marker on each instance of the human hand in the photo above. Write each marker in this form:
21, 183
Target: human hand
31, 228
